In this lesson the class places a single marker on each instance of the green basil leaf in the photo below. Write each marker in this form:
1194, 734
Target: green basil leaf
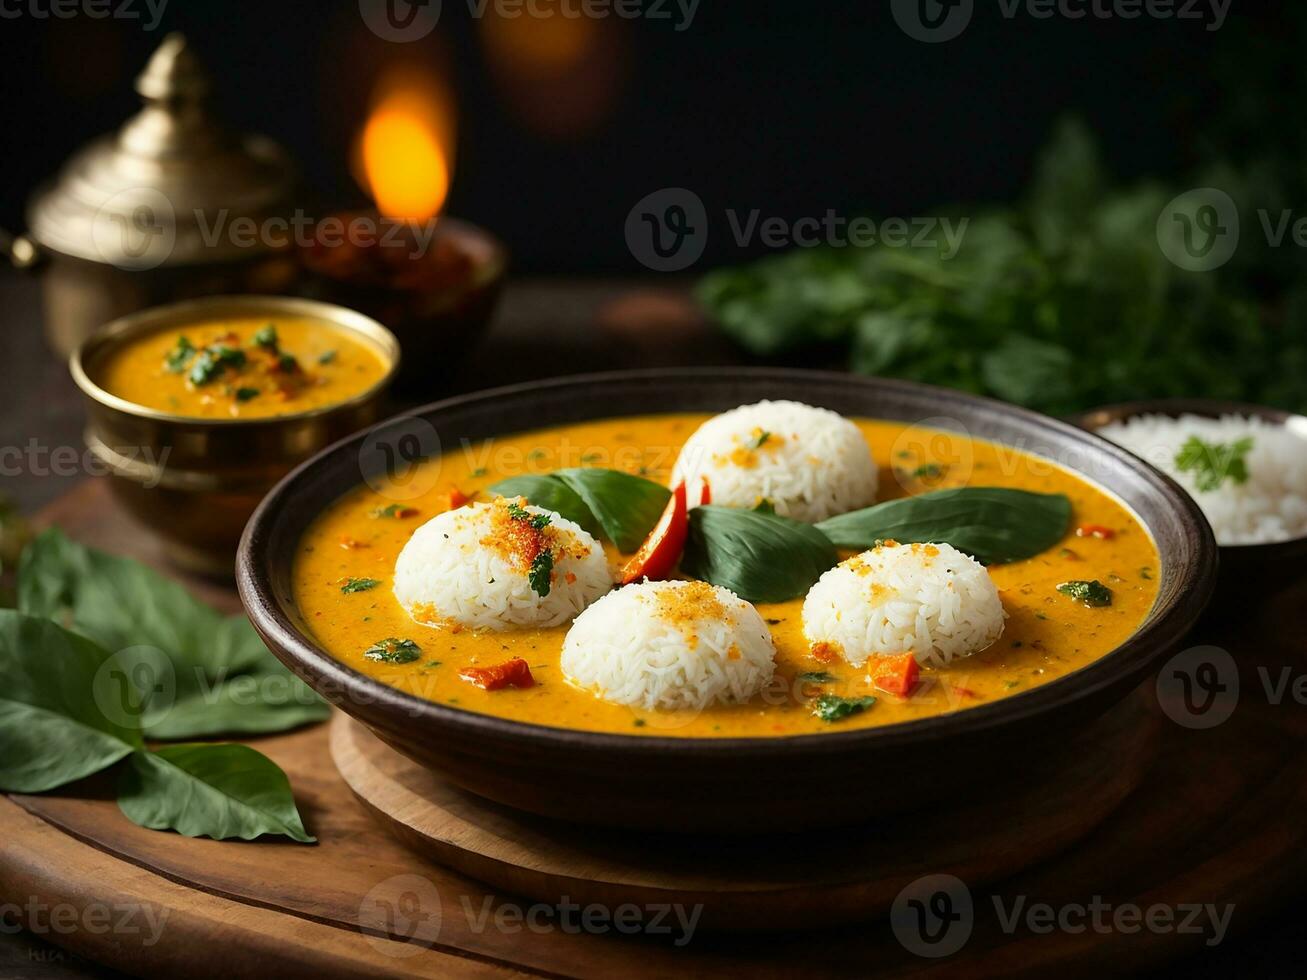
551, 494
59, 717
760, 557
207, 790
627, 507
992, 524
121, 604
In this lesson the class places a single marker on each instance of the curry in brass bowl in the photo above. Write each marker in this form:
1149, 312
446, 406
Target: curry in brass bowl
196, 409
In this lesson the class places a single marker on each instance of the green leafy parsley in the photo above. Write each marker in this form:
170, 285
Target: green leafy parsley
832, 707
267, 336
359, 585
393, 651
1212, 463
212, 361
817, 677
519, 513
180, 355
541, 573
1093, 593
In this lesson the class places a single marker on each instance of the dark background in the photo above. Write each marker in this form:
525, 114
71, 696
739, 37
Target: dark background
787, 106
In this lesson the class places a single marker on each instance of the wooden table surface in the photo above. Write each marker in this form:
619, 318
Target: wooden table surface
544, 327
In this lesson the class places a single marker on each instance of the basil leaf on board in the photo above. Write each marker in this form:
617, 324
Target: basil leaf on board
124, 605
206, 790
59, 700
992, 524
760, 557
551, 494
627, 507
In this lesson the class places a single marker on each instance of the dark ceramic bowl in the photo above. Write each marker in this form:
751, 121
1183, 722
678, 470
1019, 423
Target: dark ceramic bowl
1247, 570
735, 784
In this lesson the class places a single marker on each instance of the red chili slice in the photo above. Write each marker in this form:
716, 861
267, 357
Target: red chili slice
511, 673
660, 552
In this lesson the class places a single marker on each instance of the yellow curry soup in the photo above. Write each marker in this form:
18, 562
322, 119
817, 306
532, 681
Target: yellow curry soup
242, 368
1047, 635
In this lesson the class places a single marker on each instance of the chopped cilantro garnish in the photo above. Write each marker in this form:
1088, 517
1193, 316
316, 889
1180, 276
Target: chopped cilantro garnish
519, 513
327, 357
393, 651
1092, 593
817, 676
287, 363
212, 361
479, 471
927, 471
180, 355
245, 394
359, 585
832, 707
267, 336
542, 567
758, 441
394, 511
1212, 463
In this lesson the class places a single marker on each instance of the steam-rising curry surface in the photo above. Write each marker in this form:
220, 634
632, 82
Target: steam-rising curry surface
1048, 633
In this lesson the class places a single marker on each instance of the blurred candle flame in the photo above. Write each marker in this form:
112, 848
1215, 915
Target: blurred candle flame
405, 149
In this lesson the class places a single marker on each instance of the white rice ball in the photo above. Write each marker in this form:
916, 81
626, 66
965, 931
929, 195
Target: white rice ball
811, 463
927, 599
670, 645
471, 567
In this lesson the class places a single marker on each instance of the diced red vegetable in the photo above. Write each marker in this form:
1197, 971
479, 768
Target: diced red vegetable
511, 673
660, 552
705, 495
897, 675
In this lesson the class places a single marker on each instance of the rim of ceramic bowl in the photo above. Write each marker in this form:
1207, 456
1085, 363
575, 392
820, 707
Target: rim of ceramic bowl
1164, 627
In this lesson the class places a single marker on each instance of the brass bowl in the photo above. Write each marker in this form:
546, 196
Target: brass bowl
194, 482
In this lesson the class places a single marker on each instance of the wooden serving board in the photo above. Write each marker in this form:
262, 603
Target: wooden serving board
1215, 818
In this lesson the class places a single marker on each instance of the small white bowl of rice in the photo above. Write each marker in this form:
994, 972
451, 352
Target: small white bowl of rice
1253, 485
482, 566
930, 600
808, 463
670, 646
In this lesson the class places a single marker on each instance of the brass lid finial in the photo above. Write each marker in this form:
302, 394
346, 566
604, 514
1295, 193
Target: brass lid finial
174, 72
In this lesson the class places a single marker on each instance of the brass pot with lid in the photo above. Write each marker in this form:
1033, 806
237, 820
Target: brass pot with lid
172, 206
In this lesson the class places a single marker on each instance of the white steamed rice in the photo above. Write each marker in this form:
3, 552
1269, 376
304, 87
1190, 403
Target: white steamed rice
1270, 506
812, 464
669, 645
929, 600
449, 574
